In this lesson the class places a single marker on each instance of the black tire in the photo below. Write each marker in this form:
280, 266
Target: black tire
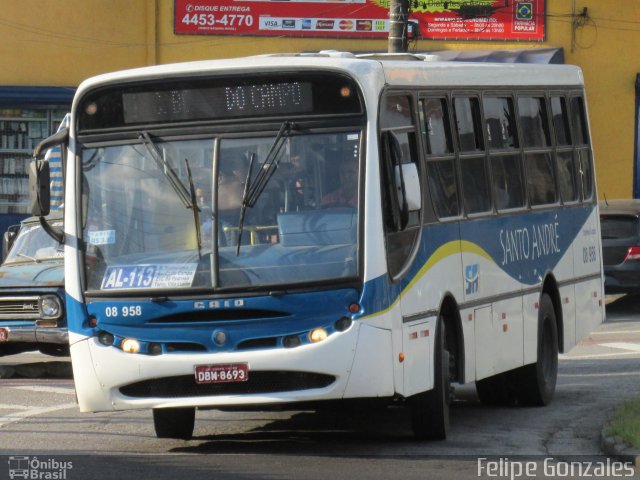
497, 390
55, 350
430, 410
174, 422
537, 382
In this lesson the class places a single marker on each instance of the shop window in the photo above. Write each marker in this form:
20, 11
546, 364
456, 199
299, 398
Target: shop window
20, 131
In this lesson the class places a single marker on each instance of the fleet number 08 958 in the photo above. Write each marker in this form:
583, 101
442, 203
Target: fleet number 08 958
126, 311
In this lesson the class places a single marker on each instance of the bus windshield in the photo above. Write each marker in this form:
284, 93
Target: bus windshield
239, 212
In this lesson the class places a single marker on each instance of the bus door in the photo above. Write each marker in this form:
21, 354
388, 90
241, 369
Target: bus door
402, 215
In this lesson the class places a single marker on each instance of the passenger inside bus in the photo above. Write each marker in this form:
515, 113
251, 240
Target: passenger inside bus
345, 195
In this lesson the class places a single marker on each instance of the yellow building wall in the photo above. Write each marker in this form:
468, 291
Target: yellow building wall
61, 42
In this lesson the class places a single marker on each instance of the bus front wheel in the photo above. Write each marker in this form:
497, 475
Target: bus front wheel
430, 410
174, 422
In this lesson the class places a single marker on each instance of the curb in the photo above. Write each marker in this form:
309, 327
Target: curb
615, 447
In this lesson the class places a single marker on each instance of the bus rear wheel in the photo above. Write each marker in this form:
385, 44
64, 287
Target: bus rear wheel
430, 410
174, 422
537, 382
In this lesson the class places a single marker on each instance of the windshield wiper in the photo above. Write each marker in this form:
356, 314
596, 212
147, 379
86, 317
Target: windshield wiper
33, 259
253, 191
166, 169
188, 198
194, 208
243, 208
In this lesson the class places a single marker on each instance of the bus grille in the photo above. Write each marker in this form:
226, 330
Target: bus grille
259, 382
19, 308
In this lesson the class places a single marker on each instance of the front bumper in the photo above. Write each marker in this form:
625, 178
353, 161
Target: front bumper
357, 361
34, 334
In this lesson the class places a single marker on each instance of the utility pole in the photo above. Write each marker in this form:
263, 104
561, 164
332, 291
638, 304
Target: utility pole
398, 26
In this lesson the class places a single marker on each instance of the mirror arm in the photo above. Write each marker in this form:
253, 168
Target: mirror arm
56, 235
58, 138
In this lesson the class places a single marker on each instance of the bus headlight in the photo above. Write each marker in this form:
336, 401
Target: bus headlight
317, 335
130, 345
50, 306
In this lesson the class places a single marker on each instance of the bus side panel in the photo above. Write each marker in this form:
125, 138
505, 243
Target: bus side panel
568, 301
417, 340
491, 279
372, 371
89, 392
508, 334
587, 261
589, 308
434, 274
485, 361
530, 304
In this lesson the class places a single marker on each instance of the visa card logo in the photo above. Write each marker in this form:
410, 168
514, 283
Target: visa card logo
471, 278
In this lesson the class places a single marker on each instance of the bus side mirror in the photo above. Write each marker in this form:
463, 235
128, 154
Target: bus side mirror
39, 189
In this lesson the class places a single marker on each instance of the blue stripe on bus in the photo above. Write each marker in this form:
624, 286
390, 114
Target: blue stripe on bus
551, 231
524, 246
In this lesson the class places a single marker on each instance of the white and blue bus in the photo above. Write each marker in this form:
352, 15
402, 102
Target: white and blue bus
284, 230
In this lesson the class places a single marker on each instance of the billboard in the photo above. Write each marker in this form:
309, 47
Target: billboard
509, 20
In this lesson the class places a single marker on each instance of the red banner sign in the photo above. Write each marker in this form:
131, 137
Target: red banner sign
435, 19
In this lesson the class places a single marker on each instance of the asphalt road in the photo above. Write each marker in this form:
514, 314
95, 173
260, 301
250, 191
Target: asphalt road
39, 419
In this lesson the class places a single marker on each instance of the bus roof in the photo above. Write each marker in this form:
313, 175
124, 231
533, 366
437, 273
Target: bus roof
398, 70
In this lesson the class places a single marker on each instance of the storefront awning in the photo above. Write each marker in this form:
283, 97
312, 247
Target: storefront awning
32, 96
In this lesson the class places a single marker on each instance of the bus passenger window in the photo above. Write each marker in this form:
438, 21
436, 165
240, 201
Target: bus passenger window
533, 122
474, 185
560, 121
396, 112
500, 122
436, 125
467, 116
540, 178
586, 175
579, 121
444, 191
508, 189
567, 177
